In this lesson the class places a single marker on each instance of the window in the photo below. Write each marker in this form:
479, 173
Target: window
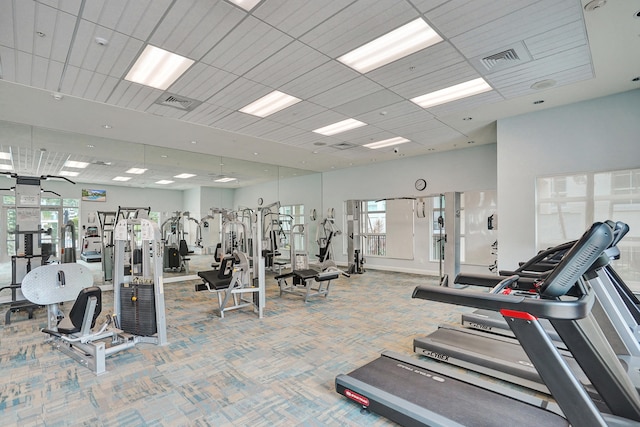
567, 205
374, 227
386, 228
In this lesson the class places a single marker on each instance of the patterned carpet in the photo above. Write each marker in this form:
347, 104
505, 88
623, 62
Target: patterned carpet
236, 371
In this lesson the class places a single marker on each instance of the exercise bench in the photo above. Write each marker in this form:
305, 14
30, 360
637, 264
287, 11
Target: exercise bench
302, 282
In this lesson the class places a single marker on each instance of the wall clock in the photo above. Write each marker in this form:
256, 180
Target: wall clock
421, 184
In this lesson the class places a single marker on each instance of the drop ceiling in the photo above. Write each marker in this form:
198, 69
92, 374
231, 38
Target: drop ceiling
62, 68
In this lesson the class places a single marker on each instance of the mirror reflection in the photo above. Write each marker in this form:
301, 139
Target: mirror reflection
184, 192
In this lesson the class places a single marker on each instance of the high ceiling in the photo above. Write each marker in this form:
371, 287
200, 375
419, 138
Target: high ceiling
63, 63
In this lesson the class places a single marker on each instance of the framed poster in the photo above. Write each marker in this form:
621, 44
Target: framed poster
94, 195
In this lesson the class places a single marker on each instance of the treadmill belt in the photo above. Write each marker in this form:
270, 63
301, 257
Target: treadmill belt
459, 401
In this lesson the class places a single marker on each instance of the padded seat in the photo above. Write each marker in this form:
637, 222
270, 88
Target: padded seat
72, 323
217, 279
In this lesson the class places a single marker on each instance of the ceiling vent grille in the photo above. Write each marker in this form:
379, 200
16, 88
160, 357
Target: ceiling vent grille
176, 101
343, 146
500, 58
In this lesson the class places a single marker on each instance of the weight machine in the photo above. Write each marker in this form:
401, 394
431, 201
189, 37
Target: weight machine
108, 221
239, 279
28, 234
354, 243
176, 247
138, 298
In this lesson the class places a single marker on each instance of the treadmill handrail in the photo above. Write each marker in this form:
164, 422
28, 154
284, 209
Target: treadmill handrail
546, 309
576, 262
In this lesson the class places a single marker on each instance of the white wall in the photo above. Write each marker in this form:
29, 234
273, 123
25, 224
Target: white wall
472, 168
159, 200
596, 135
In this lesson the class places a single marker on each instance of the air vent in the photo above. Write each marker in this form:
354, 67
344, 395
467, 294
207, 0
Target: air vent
508, 56
505, 56
176, 101
343, 146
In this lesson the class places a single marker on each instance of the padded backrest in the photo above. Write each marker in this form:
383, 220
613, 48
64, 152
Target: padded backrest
217, 254
226, 267
183, 248
76, 315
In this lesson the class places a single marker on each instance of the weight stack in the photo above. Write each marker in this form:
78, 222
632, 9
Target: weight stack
138, 309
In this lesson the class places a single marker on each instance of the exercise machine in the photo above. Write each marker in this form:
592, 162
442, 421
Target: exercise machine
68, 243
239, 280
615, 310
354, 242
411, 392
325, 233
30, 249
231, 282
302, 280
138, 299
91, 249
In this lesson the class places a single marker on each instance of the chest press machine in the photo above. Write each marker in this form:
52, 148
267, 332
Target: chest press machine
138, 314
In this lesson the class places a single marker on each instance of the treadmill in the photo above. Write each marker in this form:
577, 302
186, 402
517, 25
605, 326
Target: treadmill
412, 392
616, 310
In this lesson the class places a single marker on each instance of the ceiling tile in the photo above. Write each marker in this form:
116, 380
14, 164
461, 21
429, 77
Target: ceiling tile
298, 17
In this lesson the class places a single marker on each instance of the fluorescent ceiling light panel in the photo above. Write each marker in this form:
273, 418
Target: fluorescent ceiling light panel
225, 180
245, 4
69, 173
401, 42
121, 178
137, 171
387, 142
158, 68
339, 127
269, 104
184, 175
74, 164
6, 167
164, 182
452, 93
5, 156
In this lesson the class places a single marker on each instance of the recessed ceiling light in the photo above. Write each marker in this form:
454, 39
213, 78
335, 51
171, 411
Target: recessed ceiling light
224, 180
107, 126
158, 68
255, 154
101, 41
339, 127
164, 182
121, 178
269, 104
5, 155
184, 175
401, 42
452, 93
69, 173
386, 143
137, 171
74, 164
90, 146
6, 167
245, 4
57, 96
164, 156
